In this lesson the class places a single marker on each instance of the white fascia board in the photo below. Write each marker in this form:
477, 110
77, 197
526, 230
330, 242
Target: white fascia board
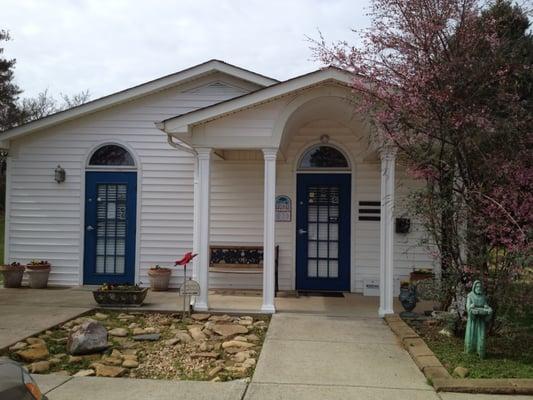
136, 92
181, 125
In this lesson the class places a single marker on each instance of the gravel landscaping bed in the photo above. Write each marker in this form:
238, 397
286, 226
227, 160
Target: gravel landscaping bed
147, 345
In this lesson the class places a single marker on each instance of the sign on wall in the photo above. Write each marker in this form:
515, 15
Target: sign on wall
283, 209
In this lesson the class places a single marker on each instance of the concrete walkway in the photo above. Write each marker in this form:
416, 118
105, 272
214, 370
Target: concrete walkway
316, 348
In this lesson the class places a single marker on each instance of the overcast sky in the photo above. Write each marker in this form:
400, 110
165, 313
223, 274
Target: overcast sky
71, 45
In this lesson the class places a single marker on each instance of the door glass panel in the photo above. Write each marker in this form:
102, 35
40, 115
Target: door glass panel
111, 228
323, 231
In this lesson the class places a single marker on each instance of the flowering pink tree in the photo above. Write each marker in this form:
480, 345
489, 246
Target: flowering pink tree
449, 83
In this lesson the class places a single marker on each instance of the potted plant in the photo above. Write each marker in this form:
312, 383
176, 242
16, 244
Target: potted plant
421, 274
159, 278
12, 274
120, 295
38, 272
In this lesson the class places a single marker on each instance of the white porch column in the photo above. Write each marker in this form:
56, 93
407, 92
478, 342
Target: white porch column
386, 275
269, 241
195, 231
202, 204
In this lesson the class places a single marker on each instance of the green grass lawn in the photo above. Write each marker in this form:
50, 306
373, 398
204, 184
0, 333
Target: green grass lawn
508, 356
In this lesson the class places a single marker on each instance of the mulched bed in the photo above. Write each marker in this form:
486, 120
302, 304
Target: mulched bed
187, 349
509, 355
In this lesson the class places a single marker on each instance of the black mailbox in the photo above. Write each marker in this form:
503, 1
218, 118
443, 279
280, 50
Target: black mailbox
403, 225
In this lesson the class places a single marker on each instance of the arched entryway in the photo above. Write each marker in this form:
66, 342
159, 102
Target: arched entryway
323, 220
110, 216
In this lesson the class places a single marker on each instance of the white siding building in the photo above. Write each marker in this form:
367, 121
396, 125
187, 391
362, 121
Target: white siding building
201, 158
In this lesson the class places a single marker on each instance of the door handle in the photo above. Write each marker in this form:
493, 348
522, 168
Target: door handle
302, 231
89, 228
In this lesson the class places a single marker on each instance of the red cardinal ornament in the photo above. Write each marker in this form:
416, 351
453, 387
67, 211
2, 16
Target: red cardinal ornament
186, 258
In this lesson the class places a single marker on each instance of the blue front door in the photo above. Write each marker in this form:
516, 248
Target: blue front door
110, 216
323, 232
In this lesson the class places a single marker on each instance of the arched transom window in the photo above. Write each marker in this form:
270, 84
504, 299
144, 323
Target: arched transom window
111, 155
323, 157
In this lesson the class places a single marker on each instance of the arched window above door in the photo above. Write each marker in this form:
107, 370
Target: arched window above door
323, 157
111, 155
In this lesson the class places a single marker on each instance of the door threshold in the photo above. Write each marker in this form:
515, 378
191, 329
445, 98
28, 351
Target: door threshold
308, 293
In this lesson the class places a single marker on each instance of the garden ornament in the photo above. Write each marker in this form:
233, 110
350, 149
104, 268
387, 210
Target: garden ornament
187, 258
408, 297
479, 313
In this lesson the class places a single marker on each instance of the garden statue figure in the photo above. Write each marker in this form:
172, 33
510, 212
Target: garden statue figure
479, 313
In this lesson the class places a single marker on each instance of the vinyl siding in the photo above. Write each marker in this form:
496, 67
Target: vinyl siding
46, 218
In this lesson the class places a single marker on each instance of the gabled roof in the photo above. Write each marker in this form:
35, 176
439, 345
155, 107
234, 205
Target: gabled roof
181, 124
137, 92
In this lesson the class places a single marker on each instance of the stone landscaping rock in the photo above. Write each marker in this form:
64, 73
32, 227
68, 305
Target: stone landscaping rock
200, 317
129, 352
39, 367
461, 372
108, 371
116, 354
133, 325
75, 359
240, 338
90, 338
213, 372
35, 352
249, 363
172, 342
220, 318
18, 346
119, 332
100, 316
226, 330
183, 337
32, 340
245, 322
138, 331
149, 337
197, 333
241, 356
236, 343
84, 372
126, 317
151, 329
207, 354
128, 363
54, 361
252, 338
112, 361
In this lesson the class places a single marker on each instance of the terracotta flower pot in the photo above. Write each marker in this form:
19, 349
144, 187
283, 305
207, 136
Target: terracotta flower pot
12, 275
159, 279
38, 276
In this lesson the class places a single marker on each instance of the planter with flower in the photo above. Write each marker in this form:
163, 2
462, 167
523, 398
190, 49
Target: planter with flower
159, 278
421, 274
12, 274
120, 295
38, 272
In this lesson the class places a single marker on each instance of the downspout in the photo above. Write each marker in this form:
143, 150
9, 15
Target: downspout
180, 146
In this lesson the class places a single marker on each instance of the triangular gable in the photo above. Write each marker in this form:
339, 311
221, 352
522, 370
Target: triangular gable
137, 92
181, 124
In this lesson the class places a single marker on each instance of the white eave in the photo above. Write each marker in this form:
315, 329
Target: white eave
136, 92
181, 125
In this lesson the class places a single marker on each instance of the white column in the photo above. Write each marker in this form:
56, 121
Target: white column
269, 241
386, 272
195, 231
202, 205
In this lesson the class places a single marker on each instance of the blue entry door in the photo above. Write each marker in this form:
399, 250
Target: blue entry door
110, 219
323, 232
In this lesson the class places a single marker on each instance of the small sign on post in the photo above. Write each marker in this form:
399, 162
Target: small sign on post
189, 287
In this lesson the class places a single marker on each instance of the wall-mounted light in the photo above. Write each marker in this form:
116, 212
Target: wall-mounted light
60, 174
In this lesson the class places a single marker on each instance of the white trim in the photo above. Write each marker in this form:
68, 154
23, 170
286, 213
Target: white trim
138, 170
269, 230
386, 258
139, 91
7, 219
181, 125
203, 231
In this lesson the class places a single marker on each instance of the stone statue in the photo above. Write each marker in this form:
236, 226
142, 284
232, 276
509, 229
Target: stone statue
479, 313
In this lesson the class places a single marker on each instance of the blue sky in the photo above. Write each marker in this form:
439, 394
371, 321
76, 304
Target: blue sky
106, 46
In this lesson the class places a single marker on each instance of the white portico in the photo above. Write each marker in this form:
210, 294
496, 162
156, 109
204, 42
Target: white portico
278, 126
